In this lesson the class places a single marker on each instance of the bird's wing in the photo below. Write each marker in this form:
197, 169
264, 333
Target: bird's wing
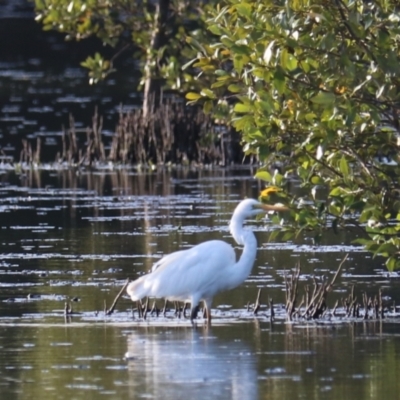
148, 285
196, 271
168, 259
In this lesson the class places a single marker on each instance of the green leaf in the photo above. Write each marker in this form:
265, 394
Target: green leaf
242, 108
243, 123
192, 96
288, 61
317, 180
208, 106
273, 235
208, 93
195, 43
234, 88
287, 236
264, 176
218, 84
241, 50
324, 98
244, 9
266, 106
188, 64
337, 191
344, 167
387, 249
221, 72
391, 264
215, 30
238, 63
279, 81
263, 152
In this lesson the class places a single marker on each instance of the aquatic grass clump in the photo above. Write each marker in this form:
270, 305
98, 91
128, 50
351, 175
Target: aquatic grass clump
312, 307
313, 304
173, 134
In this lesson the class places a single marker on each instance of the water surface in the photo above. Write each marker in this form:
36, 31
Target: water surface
74, 237
251, 360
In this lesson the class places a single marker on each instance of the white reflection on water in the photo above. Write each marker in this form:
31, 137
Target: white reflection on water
190, 364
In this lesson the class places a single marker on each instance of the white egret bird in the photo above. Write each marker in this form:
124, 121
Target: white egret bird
206, 269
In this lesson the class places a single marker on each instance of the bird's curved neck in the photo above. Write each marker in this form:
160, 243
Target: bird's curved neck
245, 263
239, 233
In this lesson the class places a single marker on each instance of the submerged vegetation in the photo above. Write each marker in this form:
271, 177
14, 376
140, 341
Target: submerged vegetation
173, 135
313, 305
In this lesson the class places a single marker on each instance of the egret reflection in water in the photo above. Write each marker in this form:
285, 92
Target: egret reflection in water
181, 363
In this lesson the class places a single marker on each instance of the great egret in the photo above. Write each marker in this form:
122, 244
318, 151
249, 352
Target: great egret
206, 269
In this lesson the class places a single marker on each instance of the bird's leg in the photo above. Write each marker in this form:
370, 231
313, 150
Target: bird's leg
176, 304
184, 309
207, 311
165, 308
139, 308
193, 313
178, 308
208, 316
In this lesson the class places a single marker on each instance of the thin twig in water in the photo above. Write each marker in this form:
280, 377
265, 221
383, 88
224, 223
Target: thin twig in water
154, 309
291, 291
111, 309
317, 304
381, 311
337, 272
257, 303
146, 307
365, 301
334, 308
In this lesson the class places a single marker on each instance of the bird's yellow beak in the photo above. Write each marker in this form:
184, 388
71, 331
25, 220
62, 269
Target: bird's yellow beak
273, 207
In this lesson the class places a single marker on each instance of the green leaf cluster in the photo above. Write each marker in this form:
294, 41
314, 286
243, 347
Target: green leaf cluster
313, 86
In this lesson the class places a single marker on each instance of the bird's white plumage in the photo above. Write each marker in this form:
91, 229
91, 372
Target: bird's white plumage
206, 269
180, 275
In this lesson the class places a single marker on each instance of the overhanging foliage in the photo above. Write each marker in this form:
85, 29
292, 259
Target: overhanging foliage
314, 88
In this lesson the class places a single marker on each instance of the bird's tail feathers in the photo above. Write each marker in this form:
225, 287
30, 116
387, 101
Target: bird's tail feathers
137, 289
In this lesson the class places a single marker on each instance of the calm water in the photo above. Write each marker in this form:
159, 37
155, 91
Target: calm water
42, 84
247, 361
76, 236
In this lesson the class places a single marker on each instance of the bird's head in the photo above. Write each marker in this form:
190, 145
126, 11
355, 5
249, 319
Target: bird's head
250, 208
